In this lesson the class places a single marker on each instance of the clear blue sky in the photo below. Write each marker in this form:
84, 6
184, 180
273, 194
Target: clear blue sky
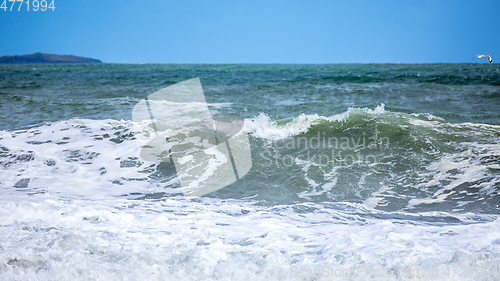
255, 31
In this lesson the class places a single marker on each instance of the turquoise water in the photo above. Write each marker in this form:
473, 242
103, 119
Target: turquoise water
456, 92
381, 168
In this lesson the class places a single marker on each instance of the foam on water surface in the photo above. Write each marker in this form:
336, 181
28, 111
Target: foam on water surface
263, 127
212, 239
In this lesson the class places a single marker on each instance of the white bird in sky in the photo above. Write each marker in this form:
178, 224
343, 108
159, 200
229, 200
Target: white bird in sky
484, 56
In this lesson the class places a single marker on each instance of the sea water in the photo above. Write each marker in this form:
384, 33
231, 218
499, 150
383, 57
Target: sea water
359, 172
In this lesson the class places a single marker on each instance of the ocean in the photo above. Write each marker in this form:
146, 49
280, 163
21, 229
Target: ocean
355, 172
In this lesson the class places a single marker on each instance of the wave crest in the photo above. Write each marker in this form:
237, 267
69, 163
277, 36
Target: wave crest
263, 127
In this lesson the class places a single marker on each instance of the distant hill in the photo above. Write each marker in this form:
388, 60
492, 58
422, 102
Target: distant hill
46, 58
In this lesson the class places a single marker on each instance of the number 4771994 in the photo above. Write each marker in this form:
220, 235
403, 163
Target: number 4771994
35, 5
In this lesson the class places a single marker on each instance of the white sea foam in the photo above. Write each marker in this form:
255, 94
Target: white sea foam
469, 167
178, 239
75, 157
262, 126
